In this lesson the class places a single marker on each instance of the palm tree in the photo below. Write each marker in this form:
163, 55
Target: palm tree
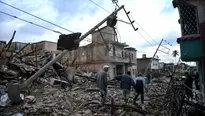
175, 53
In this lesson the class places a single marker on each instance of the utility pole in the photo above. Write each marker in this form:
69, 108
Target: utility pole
127, 14
152, 57
158, 49
45, 67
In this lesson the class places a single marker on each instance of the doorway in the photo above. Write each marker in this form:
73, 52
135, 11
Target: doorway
119, 69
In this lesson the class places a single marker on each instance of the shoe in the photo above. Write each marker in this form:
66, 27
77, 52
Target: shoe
143, 108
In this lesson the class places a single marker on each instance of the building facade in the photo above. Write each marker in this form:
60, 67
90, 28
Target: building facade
161, 65
104, 49
151, 63
192, 21
2, 44
41, 47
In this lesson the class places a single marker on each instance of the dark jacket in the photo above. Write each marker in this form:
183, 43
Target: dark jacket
102, 80
126, 81
189, 81
197, 77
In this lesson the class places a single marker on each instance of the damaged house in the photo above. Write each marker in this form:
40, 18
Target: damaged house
38, 47
192, 22
2, 44
146, 62
104, 49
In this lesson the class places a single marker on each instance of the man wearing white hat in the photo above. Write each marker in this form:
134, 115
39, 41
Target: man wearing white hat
102, 83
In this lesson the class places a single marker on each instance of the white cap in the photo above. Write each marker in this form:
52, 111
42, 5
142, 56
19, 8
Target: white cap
105, 66
183, 77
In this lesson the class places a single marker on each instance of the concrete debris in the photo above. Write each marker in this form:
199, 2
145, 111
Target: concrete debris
30, 99
18, 114
81, 100
67, 92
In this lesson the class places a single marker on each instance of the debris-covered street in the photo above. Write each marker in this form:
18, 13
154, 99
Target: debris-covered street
104, 76
80, 98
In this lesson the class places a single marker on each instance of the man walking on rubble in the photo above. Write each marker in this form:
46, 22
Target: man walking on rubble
188, 82
139, 88
102, 83
196, 80
148, 78
125, 84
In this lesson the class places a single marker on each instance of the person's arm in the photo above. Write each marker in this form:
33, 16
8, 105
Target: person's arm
118, 77
132, 83
145, 86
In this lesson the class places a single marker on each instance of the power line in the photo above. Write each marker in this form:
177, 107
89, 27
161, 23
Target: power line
128, 17
43, 19
145, 39
35, 16
107, 11
29, 22
100, 6
51, 22
88, 39
115, 2
129, 23
143, 29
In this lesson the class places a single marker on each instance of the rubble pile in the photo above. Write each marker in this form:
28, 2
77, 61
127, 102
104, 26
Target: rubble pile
20, 69
81, 100
156, 94
62, 91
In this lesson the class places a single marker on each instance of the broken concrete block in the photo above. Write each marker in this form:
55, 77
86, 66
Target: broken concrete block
30, 99
58, 82
69, 74
17, 114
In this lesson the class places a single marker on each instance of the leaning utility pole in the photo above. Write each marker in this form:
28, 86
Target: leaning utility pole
45, 67
160, 45
152, 57
149, 65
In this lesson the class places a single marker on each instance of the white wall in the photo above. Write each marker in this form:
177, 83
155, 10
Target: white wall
161, 65
133, 70
155, 64
111, 71
50, 46
107, 33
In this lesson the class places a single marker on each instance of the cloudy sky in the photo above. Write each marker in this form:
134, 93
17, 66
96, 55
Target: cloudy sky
155, 20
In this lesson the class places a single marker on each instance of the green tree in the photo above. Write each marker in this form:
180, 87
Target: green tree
175, 53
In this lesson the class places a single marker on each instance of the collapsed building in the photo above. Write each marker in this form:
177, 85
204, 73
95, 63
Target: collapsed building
105, 48
32, 81
46, 87
92, 57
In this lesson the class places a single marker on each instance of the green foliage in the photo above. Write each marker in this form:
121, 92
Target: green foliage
175, 53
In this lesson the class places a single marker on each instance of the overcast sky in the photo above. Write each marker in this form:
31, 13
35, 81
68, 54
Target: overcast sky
157, 17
